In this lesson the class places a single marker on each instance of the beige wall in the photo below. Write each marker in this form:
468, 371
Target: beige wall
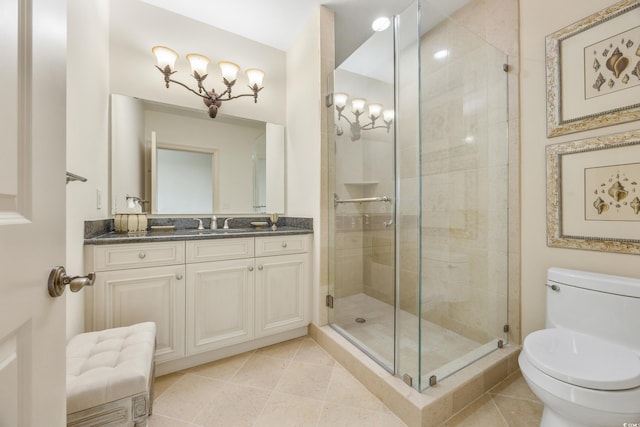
87, 133
309, 61
537, 19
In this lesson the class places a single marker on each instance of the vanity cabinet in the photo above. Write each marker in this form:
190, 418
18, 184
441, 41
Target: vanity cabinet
253, 296
204, 295
281, 284
220, 293
139, 283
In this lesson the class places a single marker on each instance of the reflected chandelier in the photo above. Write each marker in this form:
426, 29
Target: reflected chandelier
357, 108
166, 61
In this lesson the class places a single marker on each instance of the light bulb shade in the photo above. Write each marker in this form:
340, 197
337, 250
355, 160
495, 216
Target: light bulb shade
340, 99
375, 110
165, 56
388, 115
255, 77
198, 63
441, 54
381, 24
357, 105
229, 70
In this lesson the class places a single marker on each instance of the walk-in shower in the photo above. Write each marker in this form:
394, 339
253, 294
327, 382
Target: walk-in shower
418, 256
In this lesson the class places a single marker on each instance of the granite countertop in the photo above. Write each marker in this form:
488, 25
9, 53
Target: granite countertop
191, 234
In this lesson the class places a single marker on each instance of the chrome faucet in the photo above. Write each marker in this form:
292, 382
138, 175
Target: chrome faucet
226, 223
200, 226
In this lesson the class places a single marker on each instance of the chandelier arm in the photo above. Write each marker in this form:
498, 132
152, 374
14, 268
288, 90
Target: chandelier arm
370, 127
236, 96
191, 90
342, 116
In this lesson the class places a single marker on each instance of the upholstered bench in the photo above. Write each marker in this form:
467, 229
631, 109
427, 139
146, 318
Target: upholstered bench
110, 376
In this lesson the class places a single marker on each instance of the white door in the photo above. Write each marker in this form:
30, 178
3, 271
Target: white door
32, 211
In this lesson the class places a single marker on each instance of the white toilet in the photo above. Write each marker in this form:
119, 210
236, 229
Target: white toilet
585, 367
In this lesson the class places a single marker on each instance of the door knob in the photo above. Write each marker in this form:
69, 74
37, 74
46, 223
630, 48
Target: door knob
58, 279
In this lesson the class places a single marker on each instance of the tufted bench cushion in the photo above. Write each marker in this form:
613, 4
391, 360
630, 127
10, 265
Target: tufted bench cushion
110, 365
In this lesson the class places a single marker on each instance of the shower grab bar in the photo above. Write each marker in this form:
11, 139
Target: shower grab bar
336, 200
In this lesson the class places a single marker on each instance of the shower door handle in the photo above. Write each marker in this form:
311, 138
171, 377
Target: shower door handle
388, 223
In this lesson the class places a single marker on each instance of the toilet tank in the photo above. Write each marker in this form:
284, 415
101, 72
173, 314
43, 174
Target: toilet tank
597, 304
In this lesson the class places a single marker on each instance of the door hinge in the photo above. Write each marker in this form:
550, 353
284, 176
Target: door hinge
328, 100
505, 328
329, 301
505, 68
407, 380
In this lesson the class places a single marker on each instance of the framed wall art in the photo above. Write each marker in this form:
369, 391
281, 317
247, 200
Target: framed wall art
593, 71
593, 193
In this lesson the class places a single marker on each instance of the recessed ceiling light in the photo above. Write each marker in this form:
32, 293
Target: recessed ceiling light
441, 54
381, 24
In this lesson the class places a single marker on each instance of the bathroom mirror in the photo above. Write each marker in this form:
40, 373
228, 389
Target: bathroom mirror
183, 162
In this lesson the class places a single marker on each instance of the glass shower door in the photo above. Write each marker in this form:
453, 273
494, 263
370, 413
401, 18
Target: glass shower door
464, 196
362, 223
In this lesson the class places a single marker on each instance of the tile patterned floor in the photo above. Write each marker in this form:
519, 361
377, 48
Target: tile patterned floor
296, 383
509, 404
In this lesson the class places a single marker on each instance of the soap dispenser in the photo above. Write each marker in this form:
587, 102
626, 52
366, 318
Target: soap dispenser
214, 223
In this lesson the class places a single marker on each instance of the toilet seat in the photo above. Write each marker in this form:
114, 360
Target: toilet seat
582, 360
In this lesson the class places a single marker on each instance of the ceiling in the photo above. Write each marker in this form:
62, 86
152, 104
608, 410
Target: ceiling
277, 23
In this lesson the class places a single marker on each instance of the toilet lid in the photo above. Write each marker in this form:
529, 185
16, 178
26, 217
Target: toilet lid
583, 360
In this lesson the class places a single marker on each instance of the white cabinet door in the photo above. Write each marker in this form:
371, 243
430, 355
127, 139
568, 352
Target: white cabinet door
126, 297
281, 287
220, 306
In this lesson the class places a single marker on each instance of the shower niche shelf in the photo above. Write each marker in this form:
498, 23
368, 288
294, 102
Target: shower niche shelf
361, 183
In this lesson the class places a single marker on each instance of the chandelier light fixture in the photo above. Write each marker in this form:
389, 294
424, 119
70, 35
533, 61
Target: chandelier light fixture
357, 108
166, 61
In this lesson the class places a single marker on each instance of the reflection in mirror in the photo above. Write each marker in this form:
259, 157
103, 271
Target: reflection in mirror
238, 151
177, 170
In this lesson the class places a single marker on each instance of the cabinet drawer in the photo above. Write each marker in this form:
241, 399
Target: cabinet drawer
117, 257
282, 245
219, 249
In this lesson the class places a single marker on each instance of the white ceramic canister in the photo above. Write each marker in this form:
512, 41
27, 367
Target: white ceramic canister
120, 223
132, 223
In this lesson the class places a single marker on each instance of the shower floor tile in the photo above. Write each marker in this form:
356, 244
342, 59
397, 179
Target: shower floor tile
439, 345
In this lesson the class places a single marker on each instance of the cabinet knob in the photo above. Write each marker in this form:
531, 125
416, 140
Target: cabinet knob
284, 244
141, 255
250, 268
179, 276
260, 267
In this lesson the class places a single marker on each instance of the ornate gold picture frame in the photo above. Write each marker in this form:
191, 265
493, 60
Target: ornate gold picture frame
593, 193
593, 71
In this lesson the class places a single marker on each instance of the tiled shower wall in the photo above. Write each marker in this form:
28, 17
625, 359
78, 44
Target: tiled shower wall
469, 171
470, 239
